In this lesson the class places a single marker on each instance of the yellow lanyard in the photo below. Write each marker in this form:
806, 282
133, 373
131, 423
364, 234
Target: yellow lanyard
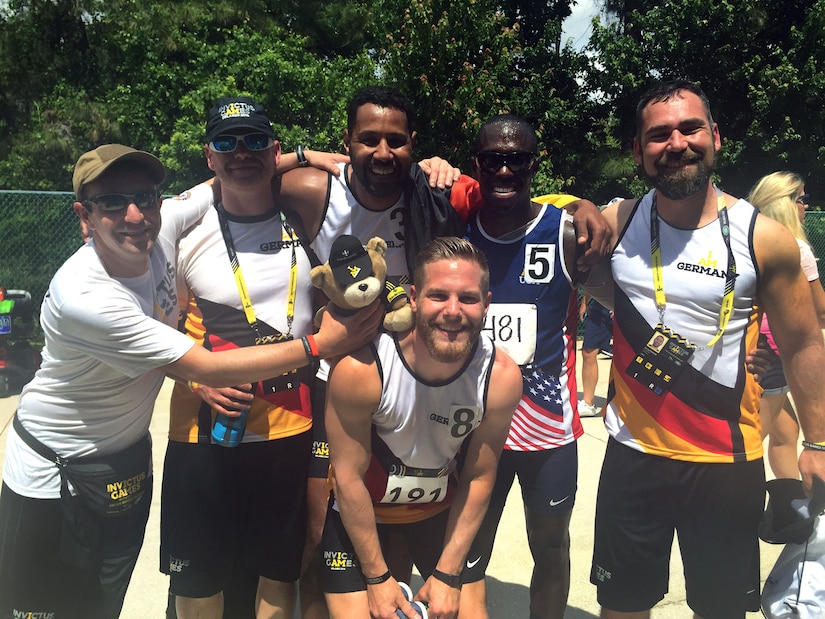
726, 309
246, 302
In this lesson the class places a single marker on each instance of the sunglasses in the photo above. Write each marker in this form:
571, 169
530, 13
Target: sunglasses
116, 202
252, 141
517, 162
803, 199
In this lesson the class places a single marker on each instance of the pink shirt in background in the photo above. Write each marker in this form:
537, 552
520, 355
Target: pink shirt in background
809, 268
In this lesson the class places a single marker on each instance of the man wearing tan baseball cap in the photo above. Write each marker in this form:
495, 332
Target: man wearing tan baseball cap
77, 479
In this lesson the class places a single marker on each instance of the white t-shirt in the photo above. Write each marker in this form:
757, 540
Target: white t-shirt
106, 338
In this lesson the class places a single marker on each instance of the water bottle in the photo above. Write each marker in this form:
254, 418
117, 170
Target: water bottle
418, 606
228, 431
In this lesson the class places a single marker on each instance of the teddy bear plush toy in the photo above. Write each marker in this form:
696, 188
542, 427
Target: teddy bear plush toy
355, 275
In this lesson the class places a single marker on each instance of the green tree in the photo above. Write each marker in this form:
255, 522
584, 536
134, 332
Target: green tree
156, 69
759, 62
536, 18
462, 63
547, 92
454, 60
42, 42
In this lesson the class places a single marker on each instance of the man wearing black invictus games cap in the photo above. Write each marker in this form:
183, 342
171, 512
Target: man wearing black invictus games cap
242, 509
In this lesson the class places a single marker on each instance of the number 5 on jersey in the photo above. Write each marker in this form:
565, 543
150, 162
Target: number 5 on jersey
539, 263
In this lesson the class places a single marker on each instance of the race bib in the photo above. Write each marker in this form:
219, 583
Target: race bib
405, 489
513, 327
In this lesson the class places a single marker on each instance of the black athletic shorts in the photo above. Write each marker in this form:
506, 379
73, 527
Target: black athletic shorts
319, 460
714, 508
548, 481
34, 582
340, 570
598, 328
223, 507
774, 381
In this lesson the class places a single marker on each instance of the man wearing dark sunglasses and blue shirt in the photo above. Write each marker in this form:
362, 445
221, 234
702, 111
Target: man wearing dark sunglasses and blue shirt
77, 479
531, 247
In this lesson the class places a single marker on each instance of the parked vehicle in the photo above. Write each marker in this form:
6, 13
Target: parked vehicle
19, 359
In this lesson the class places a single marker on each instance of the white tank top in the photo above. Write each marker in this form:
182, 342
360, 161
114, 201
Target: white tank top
423, 423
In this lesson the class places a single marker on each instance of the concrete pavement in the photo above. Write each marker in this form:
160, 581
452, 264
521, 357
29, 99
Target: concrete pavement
509, 571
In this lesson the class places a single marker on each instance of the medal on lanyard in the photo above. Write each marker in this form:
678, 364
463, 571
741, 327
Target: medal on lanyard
666, 354
289, 380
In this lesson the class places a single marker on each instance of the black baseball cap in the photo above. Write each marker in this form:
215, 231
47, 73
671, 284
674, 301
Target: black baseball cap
230, 113
790, 516
349, 261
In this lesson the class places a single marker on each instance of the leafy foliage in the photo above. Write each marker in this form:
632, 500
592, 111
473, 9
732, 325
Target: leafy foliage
156, 69
759, 62
453, 60
77, 73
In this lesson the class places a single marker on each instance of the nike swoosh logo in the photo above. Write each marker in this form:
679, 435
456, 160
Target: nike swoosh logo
553, 502
471, 564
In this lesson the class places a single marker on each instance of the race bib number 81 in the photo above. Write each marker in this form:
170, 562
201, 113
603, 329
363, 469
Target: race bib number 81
513, 327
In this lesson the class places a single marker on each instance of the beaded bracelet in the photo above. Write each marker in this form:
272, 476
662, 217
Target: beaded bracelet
193, 386
814, 446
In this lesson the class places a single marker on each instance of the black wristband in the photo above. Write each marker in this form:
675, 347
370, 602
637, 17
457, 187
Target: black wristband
312, 356
448, 579
814, 446
377, 580
302, 158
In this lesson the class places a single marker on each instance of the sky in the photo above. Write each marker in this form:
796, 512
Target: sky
577, 26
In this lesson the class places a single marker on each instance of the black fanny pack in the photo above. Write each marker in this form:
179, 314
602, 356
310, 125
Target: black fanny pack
107, 486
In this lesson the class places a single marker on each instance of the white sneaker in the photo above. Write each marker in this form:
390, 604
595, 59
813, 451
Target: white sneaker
588, 410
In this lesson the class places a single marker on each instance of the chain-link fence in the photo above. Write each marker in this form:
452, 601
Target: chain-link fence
40, 230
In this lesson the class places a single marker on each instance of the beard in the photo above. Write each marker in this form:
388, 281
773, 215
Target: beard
684, 182
448, 352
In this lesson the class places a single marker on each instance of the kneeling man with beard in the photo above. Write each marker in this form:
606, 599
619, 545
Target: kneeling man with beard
415, 434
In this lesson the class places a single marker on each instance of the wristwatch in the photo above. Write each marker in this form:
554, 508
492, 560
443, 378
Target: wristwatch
302, 158
448, 579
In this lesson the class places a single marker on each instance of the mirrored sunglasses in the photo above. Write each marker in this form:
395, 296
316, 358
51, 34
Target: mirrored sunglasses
517, 162
114, 202
252, 141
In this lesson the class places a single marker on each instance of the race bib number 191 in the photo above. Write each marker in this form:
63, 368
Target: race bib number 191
412, 489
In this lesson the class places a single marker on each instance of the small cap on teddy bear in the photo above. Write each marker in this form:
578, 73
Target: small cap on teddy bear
349, 261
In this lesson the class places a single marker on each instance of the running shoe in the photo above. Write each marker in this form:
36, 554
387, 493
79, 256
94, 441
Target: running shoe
588, 410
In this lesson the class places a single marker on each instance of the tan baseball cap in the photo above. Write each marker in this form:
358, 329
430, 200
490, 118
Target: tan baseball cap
94, 163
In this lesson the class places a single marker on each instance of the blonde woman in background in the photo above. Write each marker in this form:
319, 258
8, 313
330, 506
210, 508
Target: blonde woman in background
781, 196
